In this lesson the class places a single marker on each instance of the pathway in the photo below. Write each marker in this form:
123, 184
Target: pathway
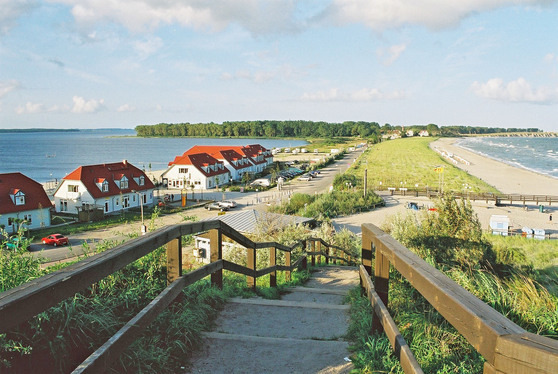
301, 333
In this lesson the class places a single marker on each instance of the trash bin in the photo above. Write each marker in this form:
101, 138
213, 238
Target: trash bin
541, 208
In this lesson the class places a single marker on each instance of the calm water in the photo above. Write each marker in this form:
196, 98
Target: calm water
536, 154
47, 156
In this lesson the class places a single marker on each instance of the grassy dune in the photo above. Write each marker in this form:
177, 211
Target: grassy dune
410, 163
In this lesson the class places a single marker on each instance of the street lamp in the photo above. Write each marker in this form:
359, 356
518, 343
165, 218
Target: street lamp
143, 227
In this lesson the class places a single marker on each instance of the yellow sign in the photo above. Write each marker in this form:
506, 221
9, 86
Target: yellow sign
439, 170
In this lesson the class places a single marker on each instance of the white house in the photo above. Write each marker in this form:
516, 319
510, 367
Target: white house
237, 163
199, 170
22, 198
423, 133
114, 187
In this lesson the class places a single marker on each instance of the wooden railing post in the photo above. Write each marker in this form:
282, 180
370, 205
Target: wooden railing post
273, 262
366, 252
174, 260
327, 254
319, 250
305, 259
288, 263
313, 250
381, 284
251, 264
215, 254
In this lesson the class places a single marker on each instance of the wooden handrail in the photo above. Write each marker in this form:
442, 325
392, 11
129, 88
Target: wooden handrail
506, 347
23, 302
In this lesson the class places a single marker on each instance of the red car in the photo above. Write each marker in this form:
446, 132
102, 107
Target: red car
55, 239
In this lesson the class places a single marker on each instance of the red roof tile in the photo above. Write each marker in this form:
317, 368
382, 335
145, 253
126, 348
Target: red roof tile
35, 195
199, 161
89, 175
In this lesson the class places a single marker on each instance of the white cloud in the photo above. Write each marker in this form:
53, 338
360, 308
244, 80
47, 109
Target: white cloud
11, 10
285, 72
364, 94
385, 14
515, 91
8, 86
29, 108
148, 47
126, 108
90, 106
256, 16
391, 54
551, 58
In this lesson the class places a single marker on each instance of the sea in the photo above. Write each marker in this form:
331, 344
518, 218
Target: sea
49, 156
539, 155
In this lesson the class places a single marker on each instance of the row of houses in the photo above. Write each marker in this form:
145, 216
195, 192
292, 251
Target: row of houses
114, 187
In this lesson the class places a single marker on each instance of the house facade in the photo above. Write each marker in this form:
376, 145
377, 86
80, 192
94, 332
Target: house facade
237, 163
197, 171
23, 199
114, 187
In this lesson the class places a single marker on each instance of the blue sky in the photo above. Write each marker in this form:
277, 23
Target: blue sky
105, 63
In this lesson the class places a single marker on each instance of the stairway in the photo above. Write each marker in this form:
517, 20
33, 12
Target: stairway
301, 333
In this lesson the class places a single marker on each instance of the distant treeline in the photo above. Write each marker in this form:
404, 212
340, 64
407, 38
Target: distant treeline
305, 129
37, 130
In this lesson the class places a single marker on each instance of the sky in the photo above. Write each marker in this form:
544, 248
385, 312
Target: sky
106, 63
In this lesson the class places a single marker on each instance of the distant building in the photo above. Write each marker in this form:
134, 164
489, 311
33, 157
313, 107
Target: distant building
198, 171
410, 133
499, 224
114, 187
22, 198
424, 133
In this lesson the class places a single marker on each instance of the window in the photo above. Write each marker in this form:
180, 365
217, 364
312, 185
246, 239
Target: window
28, 218
142, 180
20, 199
10, 221
117, 202
63, 205
123, 183
73, 188
182, 170
105, 186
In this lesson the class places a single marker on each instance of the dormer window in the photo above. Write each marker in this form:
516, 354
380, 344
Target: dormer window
142, 180
104, 186
18, 197
123, 183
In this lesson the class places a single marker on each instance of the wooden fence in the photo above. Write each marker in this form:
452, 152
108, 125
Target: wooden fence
22, 303
506, 347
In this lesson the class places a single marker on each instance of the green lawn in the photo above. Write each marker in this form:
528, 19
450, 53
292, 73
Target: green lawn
410, 163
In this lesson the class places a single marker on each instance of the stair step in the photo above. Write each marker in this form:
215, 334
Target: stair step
288, 304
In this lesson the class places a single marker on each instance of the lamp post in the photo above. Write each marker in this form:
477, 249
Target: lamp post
143, 227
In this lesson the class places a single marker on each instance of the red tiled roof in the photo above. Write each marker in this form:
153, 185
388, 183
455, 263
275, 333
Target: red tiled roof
250, 151
35, 195
200, 160
89, 175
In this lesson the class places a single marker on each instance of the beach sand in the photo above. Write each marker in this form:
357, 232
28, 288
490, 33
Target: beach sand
506, 178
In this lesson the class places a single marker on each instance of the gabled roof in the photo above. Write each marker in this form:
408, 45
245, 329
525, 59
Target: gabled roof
199, 161
221, 152
90, 175
249, 221
35, 195
250, 151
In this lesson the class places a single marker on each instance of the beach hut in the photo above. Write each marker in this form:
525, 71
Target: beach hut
499, 224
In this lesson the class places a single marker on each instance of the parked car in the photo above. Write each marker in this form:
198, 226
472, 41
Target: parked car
305, 177
228, 203
14, 242
55, 240
216, 206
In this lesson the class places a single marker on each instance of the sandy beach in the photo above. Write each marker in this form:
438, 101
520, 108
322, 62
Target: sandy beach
506, 178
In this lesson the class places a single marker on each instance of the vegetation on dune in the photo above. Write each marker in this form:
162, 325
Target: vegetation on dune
451, 240
410, 163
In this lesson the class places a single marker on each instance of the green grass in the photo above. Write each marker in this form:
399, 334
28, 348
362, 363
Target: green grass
409, 162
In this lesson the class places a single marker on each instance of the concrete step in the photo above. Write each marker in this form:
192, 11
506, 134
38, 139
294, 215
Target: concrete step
315, 295
232, 354
275, 318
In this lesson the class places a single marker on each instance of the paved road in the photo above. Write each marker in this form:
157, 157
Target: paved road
248, 200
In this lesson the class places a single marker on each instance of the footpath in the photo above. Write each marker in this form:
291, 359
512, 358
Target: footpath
303, 332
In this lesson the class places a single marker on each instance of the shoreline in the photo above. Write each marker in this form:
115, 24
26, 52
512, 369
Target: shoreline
506, 178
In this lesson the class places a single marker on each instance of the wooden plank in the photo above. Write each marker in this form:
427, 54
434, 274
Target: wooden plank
23, 302
216, 254
174, 260
476, 321
268, 270
234, 235
231, 266
399, 345
100, 360
288, 265
527, 352
251, 263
